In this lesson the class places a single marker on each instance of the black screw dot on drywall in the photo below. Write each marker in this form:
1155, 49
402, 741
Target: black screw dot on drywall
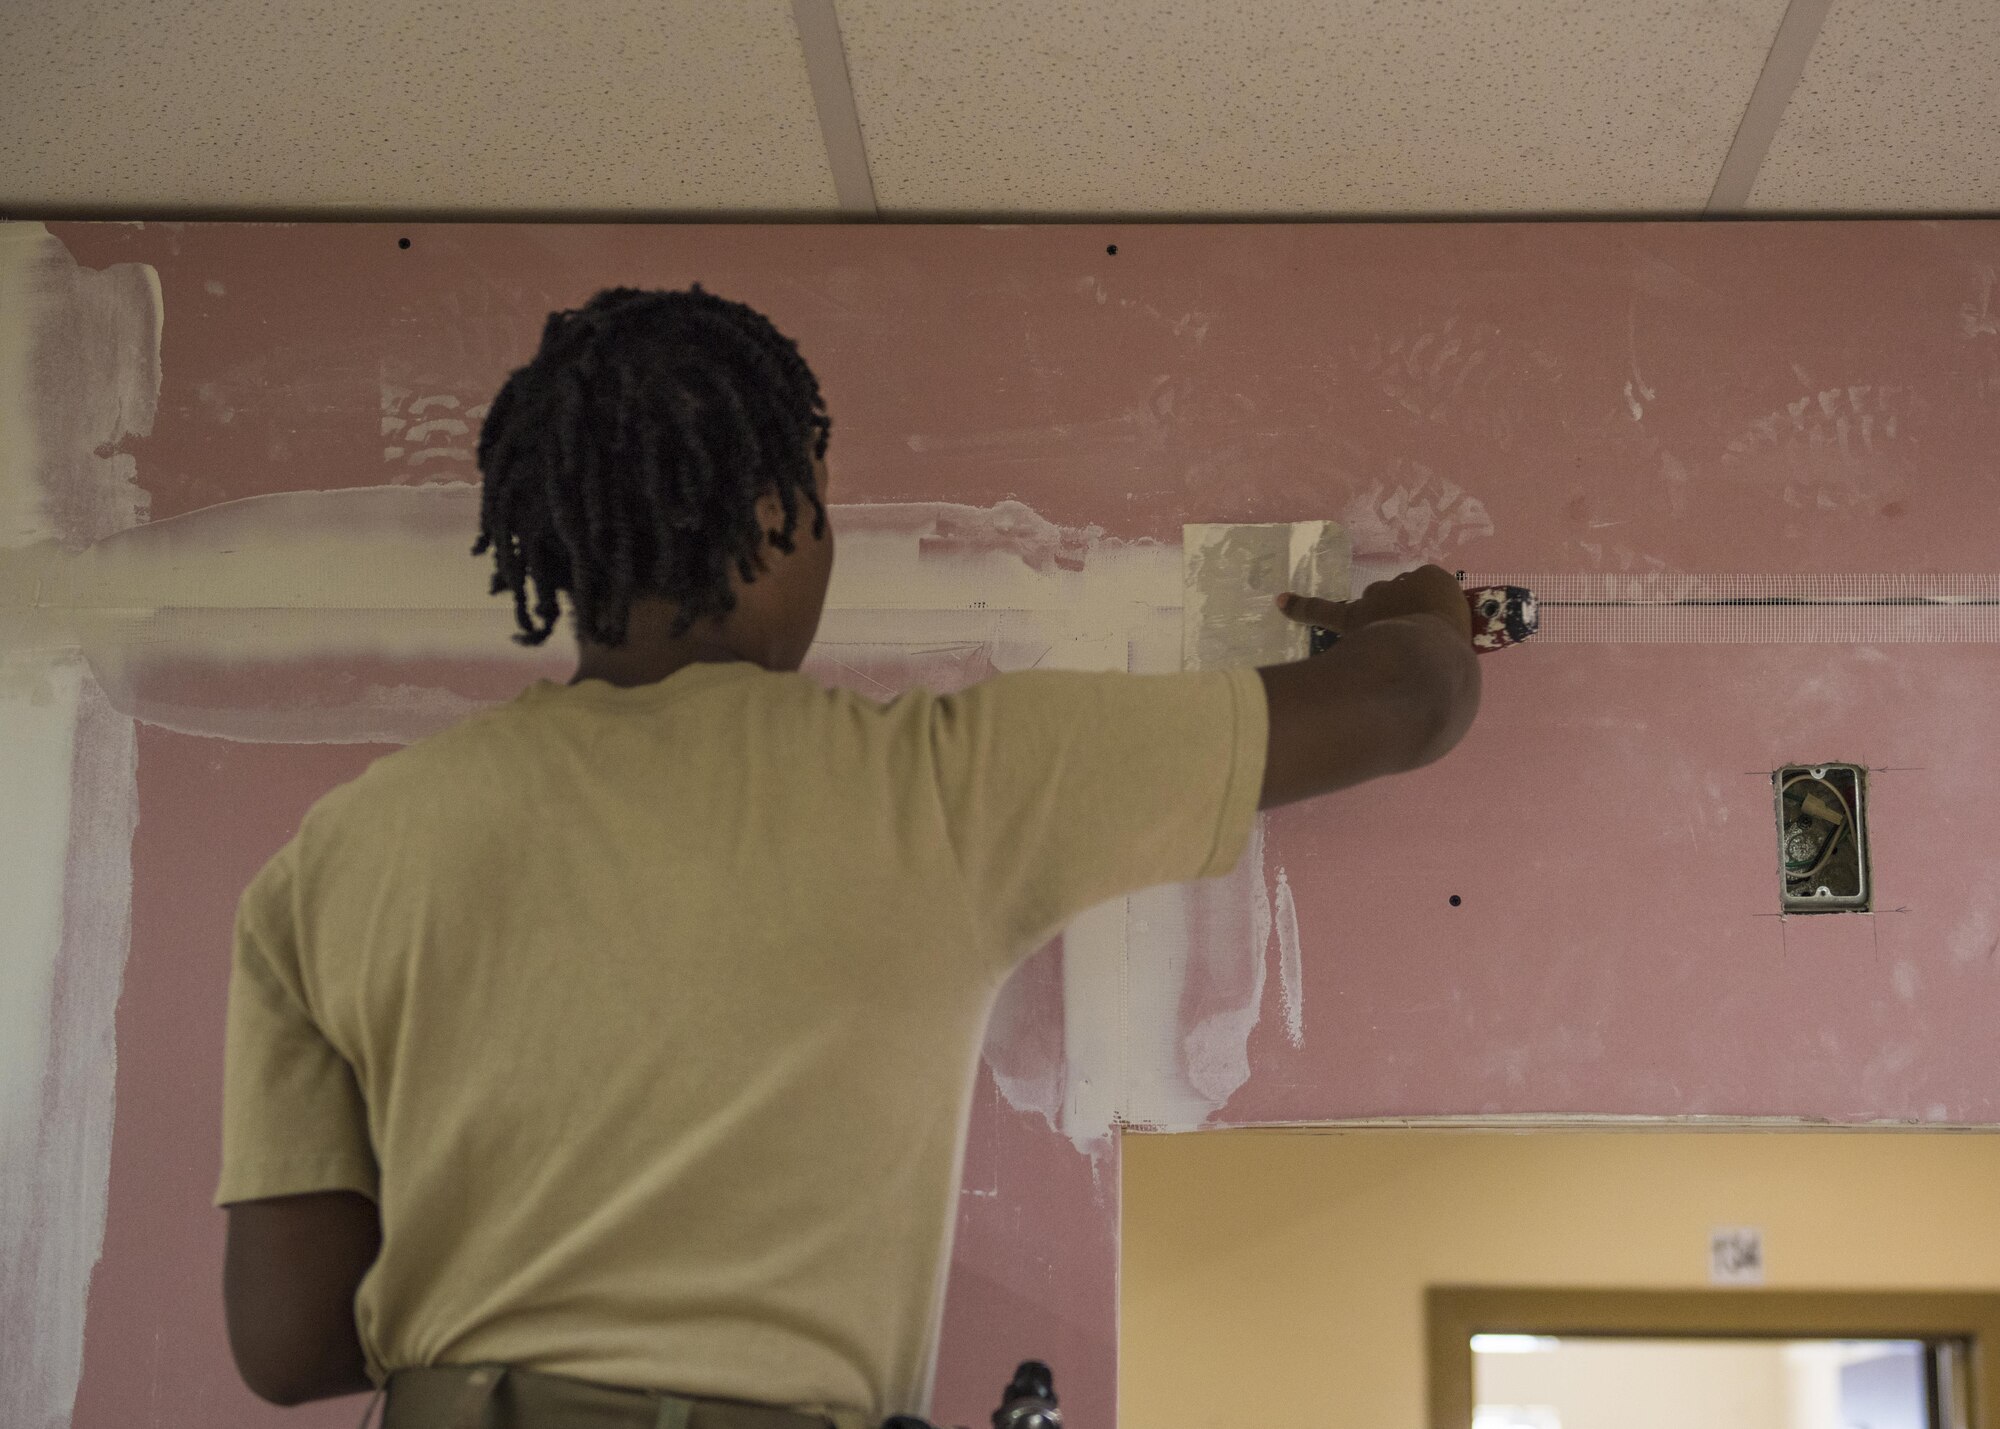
1456, 900
402, 243
1112, 249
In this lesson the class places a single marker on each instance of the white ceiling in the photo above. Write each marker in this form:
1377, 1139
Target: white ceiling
1021, 108
1899, 109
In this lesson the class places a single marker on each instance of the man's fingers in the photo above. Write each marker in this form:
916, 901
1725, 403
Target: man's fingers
1307, 610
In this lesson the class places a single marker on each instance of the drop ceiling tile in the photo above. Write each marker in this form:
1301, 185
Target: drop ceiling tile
1305, 106
408, 104
1898, 110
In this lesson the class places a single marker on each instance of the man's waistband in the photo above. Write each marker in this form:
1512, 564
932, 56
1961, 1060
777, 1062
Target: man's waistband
492, 1396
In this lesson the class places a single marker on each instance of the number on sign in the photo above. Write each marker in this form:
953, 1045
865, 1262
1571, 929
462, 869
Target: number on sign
1736, 1255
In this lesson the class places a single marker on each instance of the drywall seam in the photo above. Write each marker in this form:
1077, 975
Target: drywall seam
58, 1058
79, 376
38, 707
403, 549
41, 1307
1660, 607
382, 572
248, 587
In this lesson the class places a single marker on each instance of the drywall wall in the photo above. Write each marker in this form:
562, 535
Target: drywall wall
238, 503
1277, 1278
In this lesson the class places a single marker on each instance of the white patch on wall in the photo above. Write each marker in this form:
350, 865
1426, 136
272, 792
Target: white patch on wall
68, 808
1156, 1022
1833, 449
1291, 961
1161, 990
1976, 936
433, 436
79, 374
1195, 984
37, 728
1416, 516
1231, 575
1223, 994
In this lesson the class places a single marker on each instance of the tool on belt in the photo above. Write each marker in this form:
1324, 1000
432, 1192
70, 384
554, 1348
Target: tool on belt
1028, 1402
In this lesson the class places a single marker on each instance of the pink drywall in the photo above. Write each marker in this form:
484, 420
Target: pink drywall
1530, 398
209, 812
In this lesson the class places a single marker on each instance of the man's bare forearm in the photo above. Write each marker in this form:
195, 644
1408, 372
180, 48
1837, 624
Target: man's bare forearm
1450, 669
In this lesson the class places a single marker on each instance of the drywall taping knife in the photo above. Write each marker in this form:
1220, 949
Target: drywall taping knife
1502, 615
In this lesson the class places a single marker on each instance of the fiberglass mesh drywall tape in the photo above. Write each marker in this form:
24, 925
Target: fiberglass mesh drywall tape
1665, 608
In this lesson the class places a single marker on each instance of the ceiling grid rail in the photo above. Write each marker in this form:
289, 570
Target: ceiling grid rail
1784, 67
833, 97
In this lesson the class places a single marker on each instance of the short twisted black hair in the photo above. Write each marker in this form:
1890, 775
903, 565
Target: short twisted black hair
627, 458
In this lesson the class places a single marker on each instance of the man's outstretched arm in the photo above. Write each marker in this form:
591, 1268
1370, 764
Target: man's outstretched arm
1398, 691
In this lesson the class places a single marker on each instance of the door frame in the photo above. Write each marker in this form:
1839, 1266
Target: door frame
1453, 1314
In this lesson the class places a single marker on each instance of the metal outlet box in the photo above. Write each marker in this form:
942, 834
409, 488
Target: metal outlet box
1822, 838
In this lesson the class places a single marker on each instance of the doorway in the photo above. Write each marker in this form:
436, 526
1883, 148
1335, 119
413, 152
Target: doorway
1726, 1359
1282, 1276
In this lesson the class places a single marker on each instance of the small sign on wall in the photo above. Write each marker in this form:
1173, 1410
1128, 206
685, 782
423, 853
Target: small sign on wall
1736, 1255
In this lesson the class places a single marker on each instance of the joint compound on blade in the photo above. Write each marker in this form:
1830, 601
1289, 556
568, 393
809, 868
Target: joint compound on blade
1230, 575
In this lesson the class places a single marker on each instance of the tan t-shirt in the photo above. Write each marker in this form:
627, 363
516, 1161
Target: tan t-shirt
649, 1017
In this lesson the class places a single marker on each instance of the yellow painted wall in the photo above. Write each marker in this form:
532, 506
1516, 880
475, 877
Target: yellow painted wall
1275, 1278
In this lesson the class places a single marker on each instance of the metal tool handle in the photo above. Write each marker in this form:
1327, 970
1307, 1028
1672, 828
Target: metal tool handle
1029, 1401
1502, 615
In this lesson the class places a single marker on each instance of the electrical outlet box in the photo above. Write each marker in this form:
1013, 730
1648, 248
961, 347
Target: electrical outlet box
1822, 838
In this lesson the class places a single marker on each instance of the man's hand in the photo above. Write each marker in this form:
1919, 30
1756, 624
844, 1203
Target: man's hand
1398, 691
1428, 590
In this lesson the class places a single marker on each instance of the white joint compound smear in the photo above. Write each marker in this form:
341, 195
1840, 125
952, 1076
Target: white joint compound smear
1291, 962
1224, 993
1024, 1040
383, 572
68, 809
267, 583
1147, 1014
1197, 955
38, 710
1232, 572
79, 373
